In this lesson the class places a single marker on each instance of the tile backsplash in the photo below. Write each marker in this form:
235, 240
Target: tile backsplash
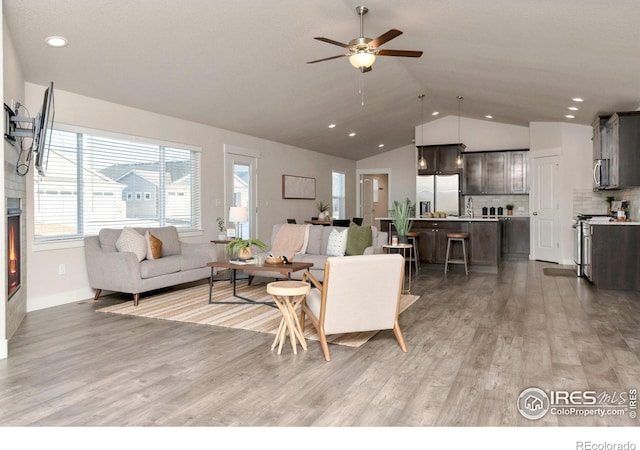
589, 201
520, 203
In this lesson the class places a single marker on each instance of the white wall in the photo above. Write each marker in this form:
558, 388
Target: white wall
50, 289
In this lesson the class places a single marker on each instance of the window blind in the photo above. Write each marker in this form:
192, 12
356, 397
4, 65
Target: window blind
95, 182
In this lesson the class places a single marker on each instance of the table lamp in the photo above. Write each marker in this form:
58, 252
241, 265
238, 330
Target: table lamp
238, 214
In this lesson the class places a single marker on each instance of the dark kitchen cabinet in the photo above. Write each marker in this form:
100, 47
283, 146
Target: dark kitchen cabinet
441, 159
615, 260
621, 144
515, 237
498, 172
484, 242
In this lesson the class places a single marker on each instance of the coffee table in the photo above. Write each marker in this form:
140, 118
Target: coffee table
285, 269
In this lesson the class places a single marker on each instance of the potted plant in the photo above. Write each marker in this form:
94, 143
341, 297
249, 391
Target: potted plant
323, 210
609, 202
222, 228
509, 209
242, 247
401, 214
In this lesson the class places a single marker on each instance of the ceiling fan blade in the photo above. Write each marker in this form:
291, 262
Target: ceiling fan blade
331, 41
406, 53
326, 59
386, 37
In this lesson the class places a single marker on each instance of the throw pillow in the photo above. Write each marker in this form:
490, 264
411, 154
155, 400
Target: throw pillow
359, 239
154, 246
337, 242
132, 241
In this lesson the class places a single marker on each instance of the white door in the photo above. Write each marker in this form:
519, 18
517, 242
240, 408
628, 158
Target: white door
367, 199
545, 209
241, 182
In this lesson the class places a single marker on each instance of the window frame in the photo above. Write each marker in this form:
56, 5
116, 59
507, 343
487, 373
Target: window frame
77, 240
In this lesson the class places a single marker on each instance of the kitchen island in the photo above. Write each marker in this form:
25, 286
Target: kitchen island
484, 246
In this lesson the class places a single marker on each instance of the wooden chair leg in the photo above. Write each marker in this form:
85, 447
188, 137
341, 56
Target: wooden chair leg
302, 317
136, 298
399, 336
98, 292
324, 345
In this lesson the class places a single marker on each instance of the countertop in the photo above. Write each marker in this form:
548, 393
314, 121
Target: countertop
613, 223
451, 219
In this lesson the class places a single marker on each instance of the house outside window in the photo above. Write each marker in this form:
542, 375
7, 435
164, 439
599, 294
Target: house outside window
99, 180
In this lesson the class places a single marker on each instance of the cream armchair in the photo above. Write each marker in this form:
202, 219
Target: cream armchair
359, 293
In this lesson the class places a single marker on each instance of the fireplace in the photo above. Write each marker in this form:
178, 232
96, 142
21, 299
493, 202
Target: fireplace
13, 246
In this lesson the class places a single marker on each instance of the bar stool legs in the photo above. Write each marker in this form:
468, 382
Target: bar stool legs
413, 239
457, 237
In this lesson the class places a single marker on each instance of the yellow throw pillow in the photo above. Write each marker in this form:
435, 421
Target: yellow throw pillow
154, 246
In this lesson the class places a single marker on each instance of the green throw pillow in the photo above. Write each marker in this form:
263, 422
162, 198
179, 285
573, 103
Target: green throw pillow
358, 239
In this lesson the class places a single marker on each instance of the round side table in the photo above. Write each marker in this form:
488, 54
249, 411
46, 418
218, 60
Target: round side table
287, 296
406, 251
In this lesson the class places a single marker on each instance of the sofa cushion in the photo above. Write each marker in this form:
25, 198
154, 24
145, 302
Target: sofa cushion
337, 244
194, 261
108, 238
154, 246
168, 236
317, 260
132, 241
150, 268
314, 246
358, 239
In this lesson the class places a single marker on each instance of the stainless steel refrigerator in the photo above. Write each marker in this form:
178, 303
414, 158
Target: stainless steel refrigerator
441, 191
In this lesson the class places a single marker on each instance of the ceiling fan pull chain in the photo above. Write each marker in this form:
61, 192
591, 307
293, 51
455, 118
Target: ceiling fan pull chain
362, 88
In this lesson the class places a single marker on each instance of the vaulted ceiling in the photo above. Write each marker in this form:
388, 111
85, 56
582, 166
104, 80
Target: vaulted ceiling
241, 66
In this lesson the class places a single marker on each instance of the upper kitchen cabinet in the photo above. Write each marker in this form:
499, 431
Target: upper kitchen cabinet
621, 148
440, 159
498, 172
599, 134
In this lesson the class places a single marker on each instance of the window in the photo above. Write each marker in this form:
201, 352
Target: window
93, 181
338, 194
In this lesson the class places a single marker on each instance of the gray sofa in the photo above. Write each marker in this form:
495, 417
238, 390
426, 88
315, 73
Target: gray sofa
111, 270
316, 252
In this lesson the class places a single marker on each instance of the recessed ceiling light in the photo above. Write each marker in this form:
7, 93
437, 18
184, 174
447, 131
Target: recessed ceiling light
570, 116
56, 41
352, 134
380, 145
435, 113
573, 108
333, 125
489, 116
577, 99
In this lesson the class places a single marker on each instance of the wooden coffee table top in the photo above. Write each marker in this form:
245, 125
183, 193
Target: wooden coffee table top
281, 268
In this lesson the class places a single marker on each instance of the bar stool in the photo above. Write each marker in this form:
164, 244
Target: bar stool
456, 237
413, 240
288, 295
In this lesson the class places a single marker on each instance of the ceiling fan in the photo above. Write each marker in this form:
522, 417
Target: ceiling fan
363, 50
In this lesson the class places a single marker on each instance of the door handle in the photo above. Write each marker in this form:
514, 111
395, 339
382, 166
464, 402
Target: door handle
535, 213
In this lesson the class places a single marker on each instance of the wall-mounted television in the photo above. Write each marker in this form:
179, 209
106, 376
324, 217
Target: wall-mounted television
38, 129
44, 127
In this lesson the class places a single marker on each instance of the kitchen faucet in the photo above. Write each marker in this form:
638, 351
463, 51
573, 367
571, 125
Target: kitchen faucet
470, 207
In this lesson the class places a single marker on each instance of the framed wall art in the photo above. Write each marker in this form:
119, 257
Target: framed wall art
295, 187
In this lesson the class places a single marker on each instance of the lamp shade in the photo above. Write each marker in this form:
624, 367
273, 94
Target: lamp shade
238, 214
362, 59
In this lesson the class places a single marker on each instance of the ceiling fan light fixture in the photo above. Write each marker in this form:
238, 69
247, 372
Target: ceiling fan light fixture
362, 59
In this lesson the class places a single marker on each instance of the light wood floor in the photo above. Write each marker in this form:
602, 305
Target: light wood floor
474, 344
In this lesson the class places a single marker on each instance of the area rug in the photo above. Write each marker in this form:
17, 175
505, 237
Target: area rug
192, 305
559, 272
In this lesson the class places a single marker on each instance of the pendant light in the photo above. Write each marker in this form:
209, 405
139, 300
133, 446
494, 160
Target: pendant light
459, 158
422, 163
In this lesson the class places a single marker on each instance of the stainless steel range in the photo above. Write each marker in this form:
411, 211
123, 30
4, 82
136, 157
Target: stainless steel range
582, 242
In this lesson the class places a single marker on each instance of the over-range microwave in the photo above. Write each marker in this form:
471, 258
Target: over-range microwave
601, 174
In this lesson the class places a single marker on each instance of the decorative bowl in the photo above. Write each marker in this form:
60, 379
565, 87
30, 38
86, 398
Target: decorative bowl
273, 260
